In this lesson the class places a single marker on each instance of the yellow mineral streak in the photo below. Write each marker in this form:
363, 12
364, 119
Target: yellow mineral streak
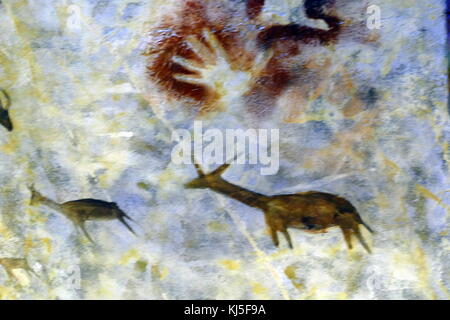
231, 265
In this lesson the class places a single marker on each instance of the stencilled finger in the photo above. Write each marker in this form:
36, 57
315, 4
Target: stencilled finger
261, 61
190, 65
214, 43
192, 79
200, 50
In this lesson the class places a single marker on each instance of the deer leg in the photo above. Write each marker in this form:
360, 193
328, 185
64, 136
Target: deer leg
83, 228
128, 217
347, 224
360, 238
273, 233
288, 238
121, 219
348, 237
31, 271
10, 274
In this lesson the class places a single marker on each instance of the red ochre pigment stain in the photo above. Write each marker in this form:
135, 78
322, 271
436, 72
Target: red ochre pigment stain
254, 8
169, 40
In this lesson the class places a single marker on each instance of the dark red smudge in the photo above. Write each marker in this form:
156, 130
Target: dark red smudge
284, 39
314, 9
254, 8
274, 79
297, 33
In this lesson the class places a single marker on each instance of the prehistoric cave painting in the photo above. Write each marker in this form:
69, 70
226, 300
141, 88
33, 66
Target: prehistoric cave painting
212, 54
311, 211
80, 211
215, 74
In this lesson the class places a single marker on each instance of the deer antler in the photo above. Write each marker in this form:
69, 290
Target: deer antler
221, 169
218, 171
197, 166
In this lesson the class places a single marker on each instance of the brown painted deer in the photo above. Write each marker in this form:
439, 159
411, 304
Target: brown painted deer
11, 264
311, 211
80, 211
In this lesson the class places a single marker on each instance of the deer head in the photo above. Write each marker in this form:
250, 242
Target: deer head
206, 180
36, 197
215, 182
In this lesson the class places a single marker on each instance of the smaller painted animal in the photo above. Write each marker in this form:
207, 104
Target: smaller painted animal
5, 103
80, 211
11, 264
311, 211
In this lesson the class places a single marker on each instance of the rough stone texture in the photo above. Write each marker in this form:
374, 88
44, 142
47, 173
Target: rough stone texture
89, 123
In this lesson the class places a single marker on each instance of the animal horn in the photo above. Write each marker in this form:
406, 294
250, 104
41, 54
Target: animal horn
220, 169
197, 166
33, 192
225, 166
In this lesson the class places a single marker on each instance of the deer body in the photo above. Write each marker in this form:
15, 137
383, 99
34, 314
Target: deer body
80, 211
311, 211
250, 198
